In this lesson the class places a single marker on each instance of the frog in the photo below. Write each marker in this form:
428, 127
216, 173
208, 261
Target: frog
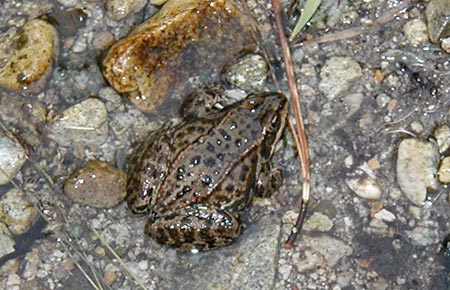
194, 180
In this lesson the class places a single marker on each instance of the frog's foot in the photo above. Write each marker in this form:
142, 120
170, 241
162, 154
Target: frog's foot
197, 227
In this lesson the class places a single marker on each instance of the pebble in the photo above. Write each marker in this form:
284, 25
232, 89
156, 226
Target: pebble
97, 184
318, 222
110, 277
20, 68
424, 236
438, 19
322, 249
417, 163
12, 158
445, 44
17, 212
444, 170
338, 75
442, 135
155, 67
85, 123
6, 241
353, 102
33, 262
102, 40
249, 73
364, 183
119, 9
416, 31
385, 215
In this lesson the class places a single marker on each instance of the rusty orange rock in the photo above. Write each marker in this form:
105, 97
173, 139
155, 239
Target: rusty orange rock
187, 40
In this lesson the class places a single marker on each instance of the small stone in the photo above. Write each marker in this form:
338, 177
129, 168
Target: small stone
445, 44
442, 135
110, 277
338, 75
374, 164
377, 226
102, 40
12, 158
424, 236
249, 73
364, 183
32, 263
416, 31
97, 184
353, 102
444, 170
318, 222
416, 126
385, 215
331, 249
417, 163
438, 19
13, 280
17, 212
27, 57
85, 123
383, 100
6, 241
119, 9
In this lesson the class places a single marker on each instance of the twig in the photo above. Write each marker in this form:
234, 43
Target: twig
299, 135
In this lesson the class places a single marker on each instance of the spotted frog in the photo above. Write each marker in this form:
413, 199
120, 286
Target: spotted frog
195, 179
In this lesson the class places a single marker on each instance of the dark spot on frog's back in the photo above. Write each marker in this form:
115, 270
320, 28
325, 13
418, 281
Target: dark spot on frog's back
225, 135
210, 147
210, 162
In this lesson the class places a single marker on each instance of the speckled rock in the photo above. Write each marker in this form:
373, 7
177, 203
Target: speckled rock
424, 236
338, 75
249, 73
318, 222
364, 183
416, 31
442, 135
119, 9
27, 56
17, 212
315, 250
444, 170
438, 19
417, 163
97, 184
155, 65
85, 123
6, 241
12, 158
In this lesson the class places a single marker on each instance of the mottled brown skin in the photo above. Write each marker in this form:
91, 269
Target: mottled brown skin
195, 179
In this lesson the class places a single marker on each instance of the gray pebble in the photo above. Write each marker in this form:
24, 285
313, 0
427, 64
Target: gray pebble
12, 158
85, 123
417, 164
6, 241
438, 19
17, 212
338, 75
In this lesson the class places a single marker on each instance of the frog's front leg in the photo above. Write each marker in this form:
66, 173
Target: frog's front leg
198, 227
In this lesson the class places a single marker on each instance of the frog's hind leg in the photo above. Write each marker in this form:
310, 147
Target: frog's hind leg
196, 227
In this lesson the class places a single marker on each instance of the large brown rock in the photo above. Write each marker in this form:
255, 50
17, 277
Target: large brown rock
156, 63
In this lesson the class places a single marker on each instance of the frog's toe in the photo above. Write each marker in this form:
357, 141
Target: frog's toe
196, 227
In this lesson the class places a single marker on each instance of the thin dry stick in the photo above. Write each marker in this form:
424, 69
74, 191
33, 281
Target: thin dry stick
300, 135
